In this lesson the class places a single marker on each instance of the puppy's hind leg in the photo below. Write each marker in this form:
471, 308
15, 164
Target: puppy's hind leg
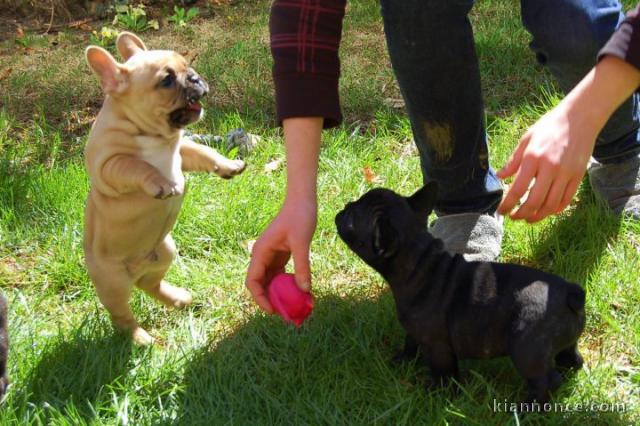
534, 364
442, 362
152, 282
114, 291
409, 351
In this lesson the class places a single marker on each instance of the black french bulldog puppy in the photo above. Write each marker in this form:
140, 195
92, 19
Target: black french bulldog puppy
452, 309
4, 346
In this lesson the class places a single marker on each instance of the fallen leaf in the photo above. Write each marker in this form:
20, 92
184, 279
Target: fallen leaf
272, 166
397, 103
370, 176
409, 150
5, 73
19, 32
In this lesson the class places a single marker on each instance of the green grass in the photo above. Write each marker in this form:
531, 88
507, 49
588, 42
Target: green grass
222, 361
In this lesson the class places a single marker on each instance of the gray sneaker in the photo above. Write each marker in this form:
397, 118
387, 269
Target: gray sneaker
618, 185
475, 236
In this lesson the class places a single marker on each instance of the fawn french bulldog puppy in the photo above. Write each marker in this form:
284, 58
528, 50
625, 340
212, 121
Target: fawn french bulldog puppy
135, 158
453, 309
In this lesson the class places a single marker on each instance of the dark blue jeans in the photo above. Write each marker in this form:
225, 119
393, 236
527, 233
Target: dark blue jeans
433, 55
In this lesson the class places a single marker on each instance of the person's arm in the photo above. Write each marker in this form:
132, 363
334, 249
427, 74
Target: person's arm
305, 37
555, 151
306, 71
290, 233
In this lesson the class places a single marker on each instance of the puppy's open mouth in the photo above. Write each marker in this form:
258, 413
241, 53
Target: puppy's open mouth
188, 114
194, 106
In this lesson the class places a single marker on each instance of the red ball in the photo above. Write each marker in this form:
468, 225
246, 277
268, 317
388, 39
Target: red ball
291, 303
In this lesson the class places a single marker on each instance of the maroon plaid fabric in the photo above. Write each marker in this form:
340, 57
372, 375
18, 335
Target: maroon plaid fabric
625, 42
305, 36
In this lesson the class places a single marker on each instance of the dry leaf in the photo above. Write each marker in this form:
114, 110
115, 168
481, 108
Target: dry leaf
409, 149
19, 32
397, 103
370, 176
5, 73
272, 166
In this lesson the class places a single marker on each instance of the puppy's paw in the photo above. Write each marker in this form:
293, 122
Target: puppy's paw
159, 187
141, 337
229, 168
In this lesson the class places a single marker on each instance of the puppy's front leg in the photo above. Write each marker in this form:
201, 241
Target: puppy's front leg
201, 158
126, 173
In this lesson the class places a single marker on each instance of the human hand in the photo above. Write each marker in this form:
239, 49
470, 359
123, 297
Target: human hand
555, 152
289, 234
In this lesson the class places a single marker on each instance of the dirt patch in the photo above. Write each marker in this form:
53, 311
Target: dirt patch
47, 16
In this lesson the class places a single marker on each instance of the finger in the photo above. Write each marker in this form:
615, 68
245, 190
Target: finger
569, 192
302, 268
518, 189
255, 282
536, 197
516, 158
552, 202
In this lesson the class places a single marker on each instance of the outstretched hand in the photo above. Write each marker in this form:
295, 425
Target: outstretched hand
549, 162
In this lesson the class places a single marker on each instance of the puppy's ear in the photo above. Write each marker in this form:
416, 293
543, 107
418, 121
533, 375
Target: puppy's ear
384, 237
424, 199
113, 76
129, 44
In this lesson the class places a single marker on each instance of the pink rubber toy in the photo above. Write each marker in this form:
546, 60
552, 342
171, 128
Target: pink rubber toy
291, 303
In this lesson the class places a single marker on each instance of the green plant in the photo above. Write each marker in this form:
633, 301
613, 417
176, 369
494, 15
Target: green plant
182, 17
134, 18
105, 38
30, 40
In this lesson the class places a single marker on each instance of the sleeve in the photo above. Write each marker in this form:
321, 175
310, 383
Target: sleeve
305, 37
625, 42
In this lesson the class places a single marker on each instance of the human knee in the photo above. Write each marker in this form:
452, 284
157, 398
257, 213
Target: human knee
570, 30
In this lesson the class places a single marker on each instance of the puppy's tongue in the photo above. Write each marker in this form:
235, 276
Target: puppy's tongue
194, 106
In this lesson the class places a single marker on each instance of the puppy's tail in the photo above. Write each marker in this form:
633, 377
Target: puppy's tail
576, 299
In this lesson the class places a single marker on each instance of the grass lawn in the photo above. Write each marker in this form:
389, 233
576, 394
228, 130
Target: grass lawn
221, 360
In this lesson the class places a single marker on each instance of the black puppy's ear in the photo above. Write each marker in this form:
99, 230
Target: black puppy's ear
423, 201
384, 237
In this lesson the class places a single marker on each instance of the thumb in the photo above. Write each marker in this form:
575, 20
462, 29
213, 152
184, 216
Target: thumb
301, 268
513, 164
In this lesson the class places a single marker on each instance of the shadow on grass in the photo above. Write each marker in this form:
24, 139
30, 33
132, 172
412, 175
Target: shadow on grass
574, 244
74, 371
335, 369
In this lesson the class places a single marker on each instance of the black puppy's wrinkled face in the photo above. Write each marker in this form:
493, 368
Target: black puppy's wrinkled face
377, 225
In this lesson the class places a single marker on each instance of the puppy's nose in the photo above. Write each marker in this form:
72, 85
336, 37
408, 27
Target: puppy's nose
197, 82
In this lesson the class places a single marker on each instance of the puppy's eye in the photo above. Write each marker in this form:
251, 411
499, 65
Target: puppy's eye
168, 81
